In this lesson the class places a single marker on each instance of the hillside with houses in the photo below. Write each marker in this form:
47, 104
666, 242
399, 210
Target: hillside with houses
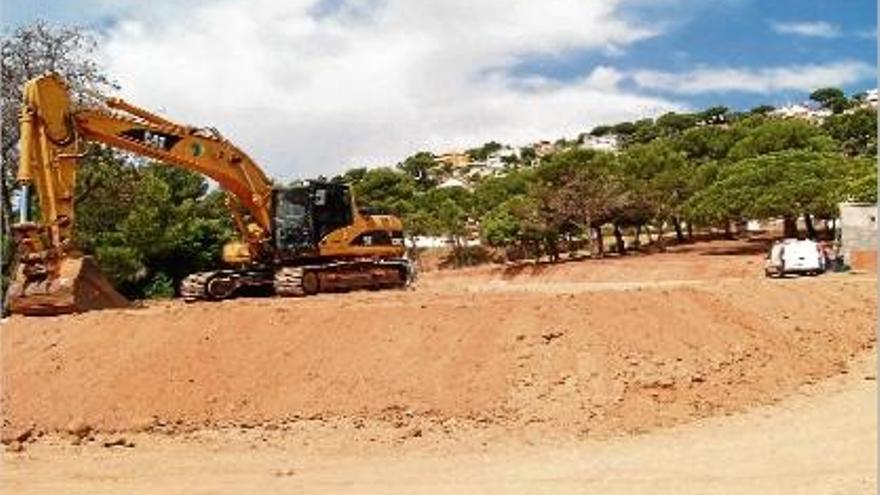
639, 182
463, 168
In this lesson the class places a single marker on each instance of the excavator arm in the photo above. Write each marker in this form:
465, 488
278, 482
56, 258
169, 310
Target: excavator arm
53, 137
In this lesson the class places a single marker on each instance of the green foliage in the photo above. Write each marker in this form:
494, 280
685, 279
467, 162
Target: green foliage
496, 190
860, 184
705, 143
450, 208
659, 176
777, 135
762, 109
141, 221
527, 154
676, 169
513, 222
787, 183
482, 153
160, 287
715, 115
601, 130
576, 190
831, 98
674, 123
420, 222
421, 167
856, 132
123, 265
386, 189
351, 176
624, 129
644, 131
445, 212
500, 227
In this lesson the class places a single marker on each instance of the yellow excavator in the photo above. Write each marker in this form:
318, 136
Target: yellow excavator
297, 240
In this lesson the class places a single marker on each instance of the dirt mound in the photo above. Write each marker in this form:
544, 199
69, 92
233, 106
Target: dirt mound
714, 260
583, 363
819, 442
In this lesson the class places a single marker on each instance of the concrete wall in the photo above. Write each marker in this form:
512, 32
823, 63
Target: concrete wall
858, 233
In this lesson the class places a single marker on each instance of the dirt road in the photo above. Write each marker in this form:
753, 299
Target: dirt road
823, 442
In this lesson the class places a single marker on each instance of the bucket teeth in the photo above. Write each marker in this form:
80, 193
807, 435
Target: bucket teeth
77, 286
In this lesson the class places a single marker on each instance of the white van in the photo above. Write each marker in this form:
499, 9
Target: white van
794, 256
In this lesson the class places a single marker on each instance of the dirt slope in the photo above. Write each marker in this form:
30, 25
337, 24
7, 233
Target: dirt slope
586, 360
818, 443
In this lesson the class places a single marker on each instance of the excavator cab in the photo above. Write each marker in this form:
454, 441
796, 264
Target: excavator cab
305, 214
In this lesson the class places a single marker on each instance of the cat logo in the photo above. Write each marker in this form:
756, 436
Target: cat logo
152, 139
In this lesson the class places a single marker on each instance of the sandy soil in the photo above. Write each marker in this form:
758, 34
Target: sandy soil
821, 441
490, 379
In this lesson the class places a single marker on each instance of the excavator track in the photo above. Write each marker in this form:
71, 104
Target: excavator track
288, 282
192, 288
216, 285
299, 281
356, 275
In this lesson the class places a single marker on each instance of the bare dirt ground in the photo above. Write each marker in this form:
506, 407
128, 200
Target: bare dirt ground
821, 441
526, 379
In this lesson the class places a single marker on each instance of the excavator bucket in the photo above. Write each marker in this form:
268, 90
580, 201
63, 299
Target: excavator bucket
78, 286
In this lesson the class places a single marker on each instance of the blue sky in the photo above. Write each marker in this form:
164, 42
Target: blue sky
368, 81
738, 34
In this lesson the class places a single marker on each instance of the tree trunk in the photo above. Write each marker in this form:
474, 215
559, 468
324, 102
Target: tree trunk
6, 221
552, 249
728, 232
661, 242
618, 237
690, 231
789, 226
811, 230
412, 252
638, 243
679, 235
829, 230
462, 255
600, 242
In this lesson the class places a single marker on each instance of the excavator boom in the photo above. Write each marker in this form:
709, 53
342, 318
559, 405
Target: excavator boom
51, 278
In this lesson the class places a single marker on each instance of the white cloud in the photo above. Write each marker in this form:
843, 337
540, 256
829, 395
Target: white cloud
372, 80
867, 33
766, 80
813, 29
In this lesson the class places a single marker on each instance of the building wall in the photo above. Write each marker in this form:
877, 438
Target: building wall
455, 159
858, 234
